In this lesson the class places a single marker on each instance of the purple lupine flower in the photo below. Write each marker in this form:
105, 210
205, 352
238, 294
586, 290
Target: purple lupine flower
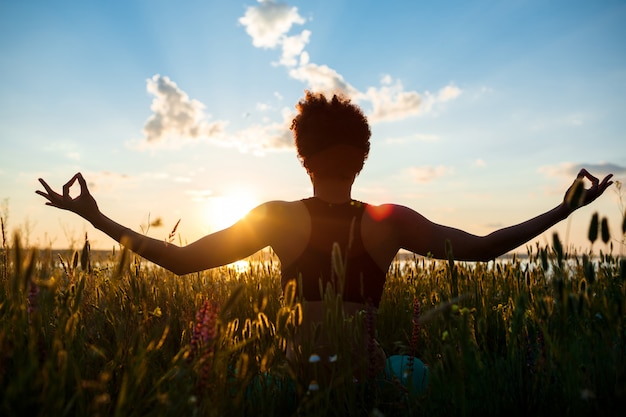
417, 311
370, 322
202, 337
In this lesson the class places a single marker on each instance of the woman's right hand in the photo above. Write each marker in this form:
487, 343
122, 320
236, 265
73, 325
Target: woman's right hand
84, 205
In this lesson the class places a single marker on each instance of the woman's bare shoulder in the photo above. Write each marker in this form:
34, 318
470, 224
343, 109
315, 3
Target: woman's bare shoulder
288, 225
392, 213
280, 208
279, 215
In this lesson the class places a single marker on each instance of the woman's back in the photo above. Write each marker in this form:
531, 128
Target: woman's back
292, 223
335, 255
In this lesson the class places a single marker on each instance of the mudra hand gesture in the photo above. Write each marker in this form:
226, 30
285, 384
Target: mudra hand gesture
578, 196
84, 204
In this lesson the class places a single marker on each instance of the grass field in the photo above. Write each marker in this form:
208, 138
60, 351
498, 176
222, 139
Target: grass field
117, 336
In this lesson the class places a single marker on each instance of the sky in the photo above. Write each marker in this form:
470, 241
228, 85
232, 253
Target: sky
482, 112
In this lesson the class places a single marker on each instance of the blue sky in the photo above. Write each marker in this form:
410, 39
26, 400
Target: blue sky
482, 112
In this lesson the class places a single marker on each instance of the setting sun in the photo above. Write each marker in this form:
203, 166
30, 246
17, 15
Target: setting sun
223, 211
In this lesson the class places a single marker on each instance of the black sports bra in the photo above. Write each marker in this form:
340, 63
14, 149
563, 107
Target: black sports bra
330, 223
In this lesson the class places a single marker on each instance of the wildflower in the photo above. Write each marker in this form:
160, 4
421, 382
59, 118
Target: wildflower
417, 310
205, 329
371, 341
204, 333
314, 386
333, 358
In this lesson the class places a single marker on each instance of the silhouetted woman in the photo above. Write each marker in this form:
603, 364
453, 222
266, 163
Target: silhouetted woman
332, 138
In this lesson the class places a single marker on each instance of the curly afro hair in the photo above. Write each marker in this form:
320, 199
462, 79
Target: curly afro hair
332, 137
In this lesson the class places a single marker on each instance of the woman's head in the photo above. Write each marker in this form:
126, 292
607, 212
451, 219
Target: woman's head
332, 136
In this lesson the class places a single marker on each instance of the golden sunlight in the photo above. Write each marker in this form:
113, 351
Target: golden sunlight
223, 211
240, 266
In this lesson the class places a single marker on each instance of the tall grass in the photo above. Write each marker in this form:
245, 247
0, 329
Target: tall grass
543, 335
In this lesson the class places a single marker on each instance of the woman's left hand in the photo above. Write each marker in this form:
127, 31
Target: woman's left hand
578, 196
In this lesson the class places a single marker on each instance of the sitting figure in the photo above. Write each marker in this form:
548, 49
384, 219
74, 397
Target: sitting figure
332, 138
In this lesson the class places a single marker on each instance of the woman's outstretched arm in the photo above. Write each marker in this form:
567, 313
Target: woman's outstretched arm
236, 242
419, 235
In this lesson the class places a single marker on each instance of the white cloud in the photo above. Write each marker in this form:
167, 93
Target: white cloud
268, 22
271, 136
391, 102
480, 163
175, 116
386, 79
268, 25
323, 79
424, 174
293, 46
447, 93
263, 106
199, 195
177, 119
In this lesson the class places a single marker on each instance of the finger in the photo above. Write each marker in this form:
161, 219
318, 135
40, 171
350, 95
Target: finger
607, 178
51, 199
586, 174
44, 195
83, 183
68, 185
41, 193
46, 186
606, 183
51, 195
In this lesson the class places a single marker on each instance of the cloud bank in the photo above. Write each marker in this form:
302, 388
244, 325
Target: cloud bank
570, 170
426, 174
178, 119
269, 24
175, 116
